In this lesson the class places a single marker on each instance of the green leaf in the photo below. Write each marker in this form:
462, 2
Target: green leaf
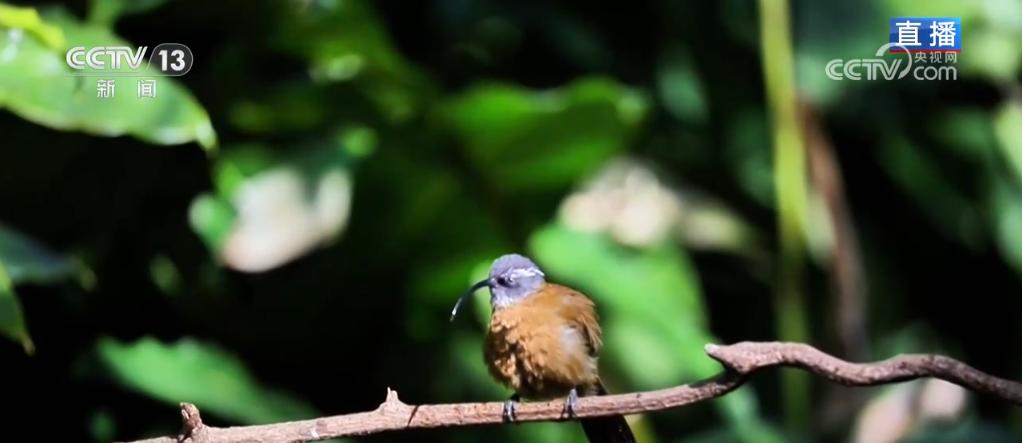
968, 131
1009, 233
12, 324
993, 54
528, 140
346, 41
216, 381
1008, 128
294, 108
35, 83
24, 260
28, 261
13, 17
1007, 208
212, 218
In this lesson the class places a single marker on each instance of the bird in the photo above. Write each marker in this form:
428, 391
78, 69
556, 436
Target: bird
543, 342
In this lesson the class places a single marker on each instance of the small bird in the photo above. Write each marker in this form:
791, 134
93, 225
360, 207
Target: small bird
543, 342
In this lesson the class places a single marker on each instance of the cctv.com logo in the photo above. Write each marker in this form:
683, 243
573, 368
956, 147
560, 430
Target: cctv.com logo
889, 69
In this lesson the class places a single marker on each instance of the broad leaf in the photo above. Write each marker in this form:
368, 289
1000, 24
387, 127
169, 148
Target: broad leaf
533, 140
36, 84
190, 371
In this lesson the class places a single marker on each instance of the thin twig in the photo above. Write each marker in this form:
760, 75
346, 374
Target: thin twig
741, 360
847, 277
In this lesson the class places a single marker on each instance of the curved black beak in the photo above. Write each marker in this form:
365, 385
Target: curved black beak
483, 284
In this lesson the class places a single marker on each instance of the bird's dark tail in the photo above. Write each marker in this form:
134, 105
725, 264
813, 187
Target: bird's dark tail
609, 429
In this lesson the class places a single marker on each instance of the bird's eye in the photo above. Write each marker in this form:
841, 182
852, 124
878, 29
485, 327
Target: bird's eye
503, 281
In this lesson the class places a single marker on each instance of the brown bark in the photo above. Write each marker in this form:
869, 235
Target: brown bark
741, 360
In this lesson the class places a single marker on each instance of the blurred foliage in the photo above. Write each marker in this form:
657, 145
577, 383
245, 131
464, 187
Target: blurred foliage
370, 159
201, 373
22, 260
269, 210
528, 141
36, 84
12, 321
29, 261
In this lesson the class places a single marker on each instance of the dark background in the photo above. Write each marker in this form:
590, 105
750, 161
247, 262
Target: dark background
627, 148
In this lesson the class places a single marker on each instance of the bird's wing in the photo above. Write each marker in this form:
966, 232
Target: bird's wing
580, 312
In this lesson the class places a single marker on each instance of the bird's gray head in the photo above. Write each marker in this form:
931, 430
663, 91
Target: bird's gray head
512, 278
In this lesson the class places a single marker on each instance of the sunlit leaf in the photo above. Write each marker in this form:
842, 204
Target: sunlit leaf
13, 17
992, 54
190, 371
212, 218
35, 84
524, 139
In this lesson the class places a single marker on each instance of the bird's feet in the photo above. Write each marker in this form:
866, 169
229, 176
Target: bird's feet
571, 402
510, 406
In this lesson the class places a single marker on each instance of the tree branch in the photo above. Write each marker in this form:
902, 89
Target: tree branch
741, 360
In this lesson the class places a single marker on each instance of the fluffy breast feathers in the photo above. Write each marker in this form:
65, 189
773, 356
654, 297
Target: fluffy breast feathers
545, 344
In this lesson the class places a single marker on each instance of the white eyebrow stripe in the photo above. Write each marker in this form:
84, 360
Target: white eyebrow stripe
528, 272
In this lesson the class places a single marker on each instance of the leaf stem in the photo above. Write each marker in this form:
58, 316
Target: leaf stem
790, 193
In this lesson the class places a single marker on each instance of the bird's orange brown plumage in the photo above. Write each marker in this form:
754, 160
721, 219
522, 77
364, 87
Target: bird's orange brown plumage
545, 344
